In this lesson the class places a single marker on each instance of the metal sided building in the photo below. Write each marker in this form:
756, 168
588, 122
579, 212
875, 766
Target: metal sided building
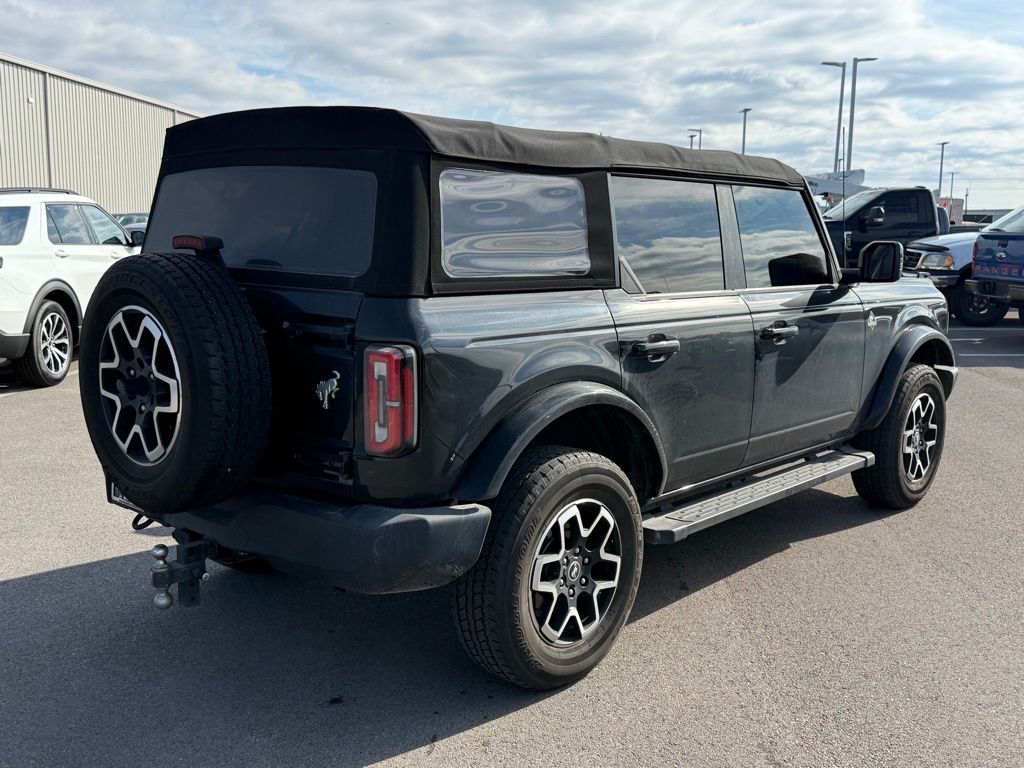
60, 130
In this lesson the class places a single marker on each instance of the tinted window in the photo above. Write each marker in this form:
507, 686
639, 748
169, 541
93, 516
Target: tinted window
496, 224
667, 233
107, 232
780, 243
68, 225
903, 208
289, 218
12, 224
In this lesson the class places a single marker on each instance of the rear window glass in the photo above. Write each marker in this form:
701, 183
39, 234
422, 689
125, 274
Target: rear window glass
12, 224
498, 224
281, 218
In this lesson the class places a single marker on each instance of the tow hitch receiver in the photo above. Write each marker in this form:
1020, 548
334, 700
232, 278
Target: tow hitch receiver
187, 571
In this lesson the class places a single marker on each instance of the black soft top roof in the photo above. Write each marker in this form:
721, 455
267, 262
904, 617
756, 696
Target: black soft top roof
311, 128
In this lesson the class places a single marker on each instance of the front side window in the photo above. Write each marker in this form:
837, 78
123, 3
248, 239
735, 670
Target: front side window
501, 224
667, 234
12, 224
781, 245
297, 219
65, 223
107, 232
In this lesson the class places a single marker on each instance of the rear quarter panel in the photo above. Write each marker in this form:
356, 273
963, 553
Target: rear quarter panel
1000, 256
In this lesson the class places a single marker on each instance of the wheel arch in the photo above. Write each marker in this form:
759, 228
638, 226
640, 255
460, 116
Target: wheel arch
63, 294
919, 344
583, 415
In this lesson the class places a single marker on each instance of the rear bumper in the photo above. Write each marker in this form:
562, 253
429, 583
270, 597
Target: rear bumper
13, 345
365, 548
1000, 290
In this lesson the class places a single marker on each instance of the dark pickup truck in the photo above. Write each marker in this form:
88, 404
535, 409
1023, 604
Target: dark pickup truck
398, 352
901, 214
998, 271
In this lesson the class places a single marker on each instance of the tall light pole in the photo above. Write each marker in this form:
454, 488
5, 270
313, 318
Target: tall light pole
700, 136
692, 137
942, 159
839, 120
853, 103
952, 175
743, 146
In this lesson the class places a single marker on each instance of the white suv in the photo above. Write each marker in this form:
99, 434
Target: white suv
54, 247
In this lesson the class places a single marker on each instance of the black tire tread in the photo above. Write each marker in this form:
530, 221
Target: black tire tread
472, 597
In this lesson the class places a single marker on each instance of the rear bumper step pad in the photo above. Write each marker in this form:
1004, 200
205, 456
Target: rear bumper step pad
675, 524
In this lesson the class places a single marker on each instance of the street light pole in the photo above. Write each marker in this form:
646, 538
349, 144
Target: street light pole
942, 159
952, 176
839, 120
692, 137
700, 136
743, 146
853, 103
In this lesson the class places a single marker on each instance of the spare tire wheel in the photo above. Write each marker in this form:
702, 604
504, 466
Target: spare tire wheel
175, 381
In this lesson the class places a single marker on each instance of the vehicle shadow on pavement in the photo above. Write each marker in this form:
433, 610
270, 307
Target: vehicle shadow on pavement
273, 670
675, 571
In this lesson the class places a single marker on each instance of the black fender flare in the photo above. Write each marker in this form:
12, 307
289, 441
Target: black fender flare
486, 470
906, 345
61, 287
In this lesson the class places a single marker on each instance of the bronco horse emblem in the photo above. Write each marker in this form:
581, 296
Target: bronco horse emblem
326, 390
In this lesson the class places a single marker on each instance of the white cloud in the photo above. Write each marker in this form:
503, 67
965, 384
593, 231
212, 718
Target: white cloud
635, 68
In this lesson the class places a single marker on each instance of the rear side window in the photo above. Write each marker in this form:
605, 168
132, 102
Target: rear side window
12, 224
281, 218
781, 245
107, 232
667, 234
66, 225
499, 224
904, 209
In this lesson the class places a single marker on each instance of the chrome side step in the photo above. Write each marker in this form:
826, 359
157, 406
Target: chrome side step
676, 523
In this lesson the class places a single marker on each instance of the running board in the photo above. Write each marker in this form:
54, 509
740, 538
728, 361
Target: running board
675, 524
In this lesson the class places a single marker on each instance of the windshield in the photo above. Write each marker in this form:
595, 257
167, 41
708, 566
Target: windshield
1012, 222
281, 218
851, 204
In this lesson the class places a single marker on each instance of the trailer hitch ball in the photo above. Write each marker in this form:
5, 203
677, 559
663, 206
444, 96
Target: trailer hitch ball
163, 598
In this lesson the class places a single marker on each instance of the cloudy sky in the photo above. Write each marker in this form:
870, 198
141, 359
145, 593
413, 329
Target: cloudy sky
646, 69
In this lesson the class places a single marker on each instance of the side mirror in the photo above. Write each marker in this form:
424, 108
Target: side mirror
881, 262
138, 237
875, 216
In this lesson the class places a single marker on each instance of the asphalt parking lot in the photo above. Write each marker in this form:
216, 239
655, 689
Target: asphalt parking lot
814, 632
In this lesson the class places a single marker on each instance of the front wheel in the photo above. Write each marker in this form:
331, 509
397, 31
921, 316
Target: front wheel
558, 572
907, 444
975, 310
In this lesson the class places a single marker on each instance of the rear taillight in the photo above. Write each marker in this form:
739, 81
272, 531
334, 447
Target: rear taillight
974, 257
389, 399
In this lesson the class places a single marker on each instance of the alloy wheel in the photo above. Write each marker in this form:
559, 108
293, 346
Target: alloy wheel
575, 573
55, 343
920, 436
141, 384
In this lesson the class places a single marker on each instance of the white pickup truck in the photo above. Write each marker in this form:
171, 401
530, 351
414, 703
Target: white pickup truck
947, 260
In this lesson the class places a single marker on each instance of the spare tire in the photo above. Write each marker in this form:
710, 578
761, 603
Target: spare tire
175, 381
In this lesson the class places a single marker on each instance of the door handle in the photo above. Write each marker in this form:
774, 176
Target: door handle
61, 254
779, 331
655, 350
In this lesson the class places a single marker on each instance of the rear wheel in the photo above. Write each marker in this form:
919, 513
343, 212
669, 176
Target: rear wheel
48, 357
976, 310
907, 444
558, 573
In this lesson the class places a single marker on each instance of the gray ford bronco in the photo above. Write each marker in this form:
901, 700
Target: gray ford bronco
398, 352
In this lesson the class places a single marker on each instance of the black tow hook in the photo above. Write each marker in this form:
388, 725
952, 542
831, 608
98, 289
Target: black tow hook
187, 571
